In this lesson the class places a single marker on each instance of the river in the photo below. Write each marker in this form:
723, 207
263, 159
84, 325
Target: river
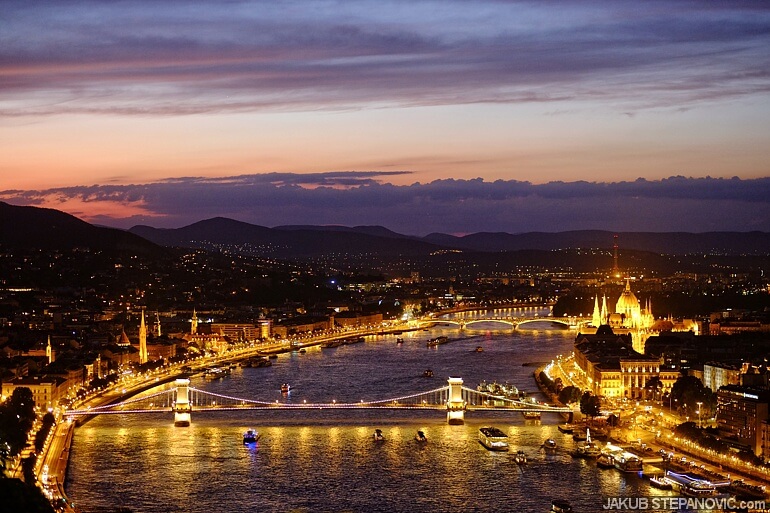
326, 461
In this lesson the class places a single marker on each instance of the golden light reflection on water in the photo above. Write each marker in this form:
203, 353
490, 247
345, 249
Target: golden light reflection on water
321, 461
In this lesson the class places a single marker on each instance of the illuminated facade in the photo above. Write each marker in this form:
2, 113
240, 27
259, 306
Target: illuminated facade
611, 368
742, 414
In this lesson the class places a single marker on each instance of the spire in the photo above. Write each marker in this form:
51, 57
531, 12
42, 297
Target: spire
49, 351
615, 268
157, 324
124, 339
604, 311
142, 340
194, 323
596, 320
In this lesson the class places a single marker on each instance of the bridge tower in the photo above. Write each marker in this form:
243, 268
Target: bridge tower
182, 407
455, 406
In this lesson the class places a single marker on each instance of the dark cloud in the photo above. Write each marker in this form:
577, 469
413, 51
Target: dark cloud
165, 58
454, 206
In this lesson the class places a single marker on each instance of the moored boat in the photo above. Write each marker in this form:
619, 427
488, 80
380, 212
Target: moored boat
285, 388
493, 439
605, 460
251, 436
520, 457
627, 462
660, 482
565, 428
531, 415
378, 436
587, 449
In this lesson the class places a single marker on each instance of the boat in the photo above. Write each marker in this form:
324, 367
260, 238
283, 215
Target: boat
251, 436
479, 349
565, 428
285, 388
605, 460
493, 439
399, 340
520, 457
378, 436
691, 486
216, 372
437, 341
660, 482
420, 437
531, 415
560, 506
549, 445
579, 436
627, 462
302, 351
427, 374
587, 449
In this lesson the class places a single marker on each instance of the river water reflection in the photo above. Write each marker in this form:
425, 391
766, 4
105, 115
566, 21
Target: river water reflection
326, 460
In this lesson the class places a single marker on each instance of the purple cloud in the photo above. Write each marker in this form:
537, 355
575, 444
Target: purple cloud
453, 206
165, 58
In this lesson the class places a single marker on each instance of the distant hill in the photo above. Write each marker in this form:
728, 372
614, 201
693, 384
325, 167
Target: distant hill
288, 241
671, 243
307, 240
45, 228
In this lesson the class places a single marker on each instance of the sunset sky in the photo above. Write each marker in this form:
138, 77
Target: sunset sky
421, 116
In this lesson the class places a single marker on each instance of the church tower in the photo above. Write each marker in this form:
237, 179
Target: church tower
157, 325
194, 323
142, 340
49, 351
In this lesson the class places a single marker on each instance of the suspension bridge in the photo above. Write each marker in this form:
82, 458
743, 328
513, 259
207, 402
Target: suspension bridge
183, 399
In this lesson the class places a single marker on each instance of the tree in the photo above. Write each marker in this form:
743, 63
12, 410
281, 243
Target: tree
689, 391
589, 404
17, 414
569, 394
652, 387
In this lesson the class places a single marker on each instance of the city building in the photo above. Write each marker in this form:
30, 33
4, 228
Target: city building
611, 368
742, 416
716, 375
46, 390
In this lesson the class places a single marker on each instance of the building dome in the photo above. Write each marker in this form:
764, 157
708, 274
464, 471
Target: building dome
627, 303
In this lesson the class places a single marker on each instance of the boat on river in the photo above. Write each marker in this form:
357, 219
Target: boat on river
378, 436
520, 457
567, 429
251, 436
587, 449
427, 373
285, 388
420, 437
660, 482
549, 445
216, 372
605, 460
560, 506
493, 439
